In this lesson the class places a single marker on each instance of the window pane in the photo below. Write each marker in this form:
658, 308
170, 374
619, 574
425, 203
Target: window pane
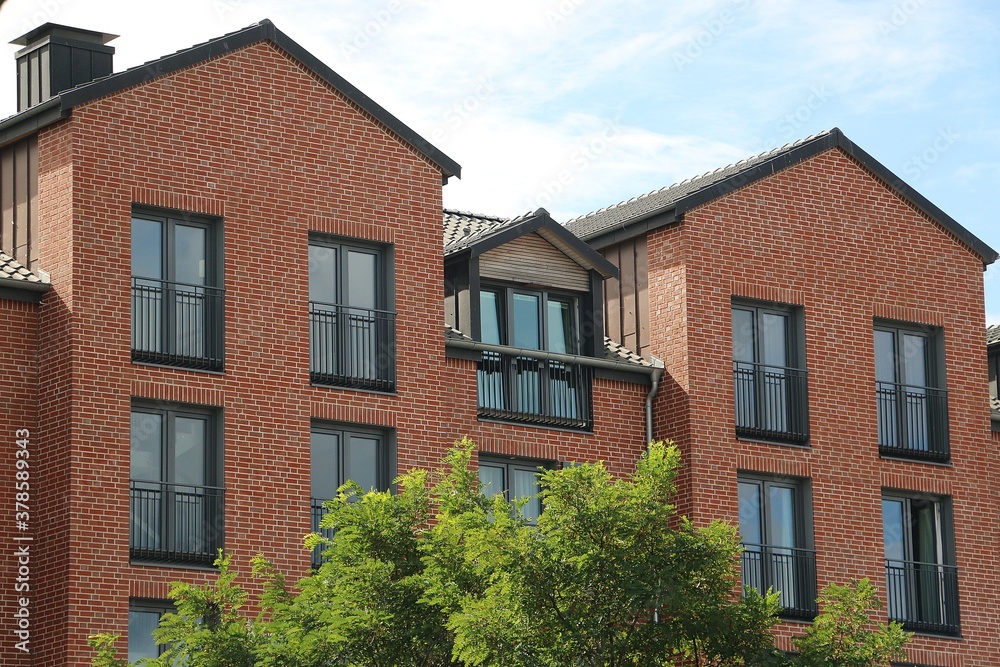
773, 334
322, 274
140, 635
743, 335
146, 461
560, 322
190, 254
893, 533
491, 328
526, 486
885, 356
782, 516
147, 248
491, 479
914, 361
361, 282
526, 321
751, 530
362, 461
189, 450
325, 464
925, 531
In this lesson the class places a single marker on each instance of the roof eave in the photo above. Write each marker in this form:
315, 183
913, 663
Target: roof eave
30, 121
22, 290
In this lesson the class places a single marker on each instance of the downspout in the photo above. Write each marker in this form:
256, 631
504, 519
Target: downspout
654, 386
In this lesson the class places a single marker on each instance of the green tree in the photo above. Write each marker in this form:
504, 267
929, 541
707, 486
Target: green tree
844, 633
362, 607
209, 628
610, 577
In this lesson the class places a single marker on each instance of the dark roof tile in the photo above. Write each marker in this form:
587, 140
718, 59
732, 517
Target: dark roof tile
11, 269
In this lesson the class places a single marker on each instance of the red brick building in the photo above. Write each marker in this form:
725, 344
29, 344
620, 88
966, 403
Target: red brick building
821, 327
222, 294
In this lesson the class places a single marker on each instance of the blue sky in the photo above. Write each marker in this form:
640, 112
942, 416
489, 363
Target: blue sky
578, 104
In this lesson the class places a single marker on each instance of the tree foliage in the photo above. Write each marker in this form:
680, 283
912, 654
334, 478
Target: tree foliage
844, 634
438, 575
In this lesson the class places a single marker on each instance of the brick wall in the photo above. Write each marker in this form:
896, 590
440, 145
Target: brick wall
18, 392
827, 236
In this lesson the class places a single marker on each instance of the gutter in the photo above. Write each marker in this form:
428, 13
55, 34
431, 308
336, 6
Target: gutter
25, 285
654, 372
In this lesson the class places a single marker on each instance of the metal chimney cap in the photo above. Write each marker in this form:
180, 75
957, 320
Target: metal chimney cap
57, 30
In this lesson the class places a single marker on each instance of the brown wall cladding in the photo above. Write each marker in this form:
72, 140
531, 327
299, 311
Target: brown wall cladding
828, 236
255, 139
19, 201
18, 413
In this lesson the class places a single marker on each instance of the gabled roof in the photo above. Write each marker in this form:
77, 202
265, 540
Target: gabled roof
59, 106
634, 216
476, 234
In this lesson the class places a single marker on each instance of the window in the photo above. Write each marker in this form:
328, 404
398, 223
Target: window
143, 618
769, 373
515, 479
519, 387
177, 297
921, 578
911, 400
352, 324
177, 508
341, 454
994, 366
775, 529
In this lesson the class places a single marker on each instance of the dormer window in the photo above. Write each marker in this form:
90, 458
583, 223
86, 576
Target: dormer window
528, 388
530, 295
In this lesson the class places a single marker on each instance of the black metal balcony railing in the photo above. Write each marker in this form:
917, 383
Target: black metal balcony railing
177, 324
772, 402
318, 511
912, 421
535, 391
923, 596
790, 572
352, 347
176, 523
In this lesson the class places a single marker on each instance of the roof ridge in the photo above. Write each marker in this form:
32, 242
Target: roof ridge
692, 179
470, 214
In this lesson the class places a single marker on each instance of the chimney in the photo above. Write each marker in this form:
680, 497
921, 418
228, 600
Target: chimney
56, 58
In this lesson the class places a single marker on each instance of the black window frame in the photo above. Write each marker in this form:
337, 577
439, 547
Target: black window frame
333, 321
150, 606
900, 431
509, 464
778, 411
906, 577
145, 497
767, 563
385, 467
544, 295
533, 390
166, 296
